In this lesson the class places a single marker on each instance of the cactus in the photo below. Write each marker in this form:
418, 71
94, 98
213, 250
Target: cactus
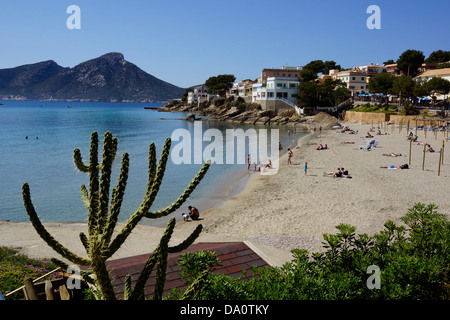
103, 213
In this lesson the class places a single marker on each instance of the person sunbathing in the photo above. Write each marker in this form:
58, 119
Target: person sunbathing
347, 142
369, 135
379, 132
320, 147
337, 173
268, 164
403, 166
392, 154
430, 149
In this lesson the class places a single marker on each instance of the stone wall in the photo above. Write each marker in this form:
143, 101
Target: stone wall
375, 118
365, 117
274, 105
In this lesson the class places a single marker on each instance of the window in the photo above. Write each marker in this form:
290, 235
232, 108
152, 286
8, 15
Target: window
279, 94
279, 85
353, 78
291, 85
270, 94
294, 95
362, 78
362, 87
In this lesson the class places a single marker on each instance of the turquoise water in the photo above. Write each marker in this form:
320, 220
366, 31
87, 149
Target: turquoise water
45, 159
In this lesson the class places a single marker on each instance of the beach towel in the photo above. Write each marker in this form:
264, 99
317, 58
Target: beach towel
269, 171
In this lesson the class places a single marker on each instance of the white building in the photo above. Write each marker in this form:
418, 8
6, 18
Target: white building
355, 79
242, 88
276, 88
198, 95
373, 69
278, 93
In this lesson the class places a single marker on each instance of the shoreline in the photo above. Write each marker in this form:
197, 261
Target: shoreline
233, 188
289, 210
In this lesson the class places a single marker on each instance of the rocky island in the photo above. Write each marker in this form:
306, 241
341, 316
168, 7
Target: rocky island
106, 78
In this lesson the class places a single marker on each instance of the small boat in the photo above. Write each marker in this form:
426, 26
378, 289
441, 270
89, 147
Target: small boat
69, 106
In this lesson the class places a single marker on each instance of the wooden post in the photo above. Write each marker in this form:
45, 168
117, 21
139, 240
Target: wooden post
410, 145
64, 293
439, 168
49, 290
29, 291
423, 161
416, 126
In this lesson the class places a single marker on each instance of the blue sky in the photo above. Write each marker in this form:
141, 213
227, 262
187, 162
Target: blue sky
184, 42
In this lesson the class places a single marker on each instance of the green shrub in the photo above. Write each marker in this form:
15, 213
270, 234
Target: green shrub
15, 267
413, 261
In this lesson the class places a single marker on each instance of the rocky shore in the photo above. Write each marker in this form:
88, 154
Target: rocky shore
253, 116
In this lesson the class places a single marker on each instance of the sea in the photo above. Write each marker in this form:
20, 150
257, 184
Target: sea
37, 140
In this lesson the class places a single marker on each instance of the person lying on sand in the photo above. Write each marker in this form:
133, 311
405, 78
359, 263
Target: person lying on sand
392, 154
332, 173
379, 132
369, 135
321, 147
339, 173
347, 142
403, 166
430, 149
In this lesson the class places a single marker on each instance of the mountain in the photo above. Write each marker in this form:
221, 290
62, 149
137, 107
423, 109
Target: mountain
106, 78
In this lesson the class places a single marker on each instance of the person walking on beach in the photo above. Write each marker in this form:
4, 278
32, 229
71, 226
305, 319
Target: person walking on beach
306, 167
290, 154
248, 162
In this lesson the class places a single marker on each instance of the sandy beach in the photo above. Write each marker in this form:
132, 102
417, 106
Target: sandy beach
289, 210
